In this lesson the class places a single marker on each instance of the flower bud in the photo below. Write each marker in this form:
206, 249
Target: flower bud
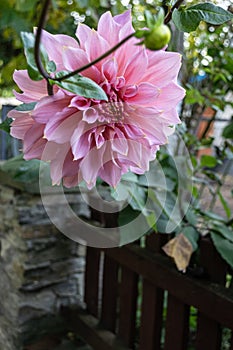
158, 37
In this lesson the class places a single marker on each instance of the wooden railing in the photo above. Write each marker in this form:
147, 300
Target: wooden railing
136, 299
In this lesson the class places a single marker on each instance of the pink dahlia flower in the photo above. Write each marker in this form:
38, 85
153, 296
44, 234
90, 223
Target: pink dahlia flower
85, 138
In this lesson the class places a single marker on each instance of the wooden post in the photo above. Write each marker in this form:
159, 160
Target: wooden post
208, 330
152, 302
91, 293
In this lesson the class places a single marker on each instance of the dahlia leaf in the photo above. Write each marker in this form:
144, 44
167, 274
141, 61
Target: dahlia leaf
223, 246
225, 205
193, 235
81, 86
188, 19
228, 131
51, 67
25, 5
24, 107
6, 124
223, 230
29, 44
208, 161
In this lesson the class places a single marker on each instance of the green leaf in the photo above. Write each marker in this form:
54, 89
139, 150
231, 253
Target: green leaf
191, 216
132, 225
194, 96
51, 67
188, 19
127, 215
140, 33
81, 86
166, 207
193, 236
25, 172
29, 44
225, 231
150, 20
129, 190
228, 131
24, 107
208, 161
25, 5
225, 205
151, 220
211, 215
224, 247
6, 125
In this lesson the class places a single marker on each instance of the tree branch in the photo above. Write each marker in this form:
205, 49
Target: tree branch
169, 15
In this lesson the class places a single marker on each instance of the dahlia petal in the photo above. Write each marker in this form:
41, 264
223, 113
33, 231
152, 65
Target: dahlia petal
151, 126
146, 94
132, 131
107, 21
62, 131
90, 166
110, 69
110, 173
21, 124
82, 33
90, 115
70, 166
81, 129
120, 145
81, 147
136, 67
123, 18
71, 181
51, 151
55, 45
80, 103
124, 55
163, 67
32, 90
169, 96
74, 58
48, 106
99, 138
57, 163
130, 91
33, 142
35, 151
34, 134
95, 46
171, 117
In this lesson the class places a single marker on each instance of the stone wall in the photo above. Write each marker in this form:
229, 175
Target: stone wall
40, 270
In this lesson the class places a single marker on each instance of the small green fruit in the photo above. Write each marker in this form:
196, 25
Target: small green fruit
158, 37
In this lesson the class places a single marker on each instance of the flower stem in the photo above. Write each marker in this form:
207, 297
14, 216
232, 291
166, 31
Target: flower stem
38, 61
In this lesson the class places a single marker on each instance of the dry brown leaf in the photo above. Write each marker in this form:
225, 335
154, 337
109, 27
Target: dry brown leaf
180, 249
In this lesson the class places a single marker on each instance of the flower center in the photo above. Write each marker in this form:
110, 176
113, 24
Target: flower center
115, 110
112, 112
